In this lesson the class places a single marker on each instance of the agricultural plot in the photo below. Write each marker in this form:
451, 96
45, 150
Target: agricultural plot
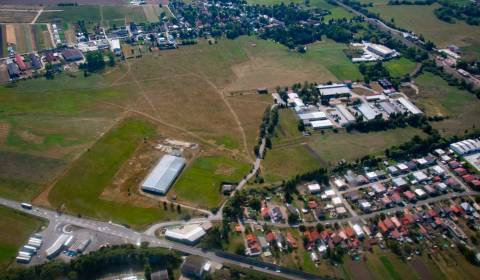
436, 97
3, 40
25, 37
16, 16
200, 184
121, 15
421, 20
152, 12
90, 14
16, 228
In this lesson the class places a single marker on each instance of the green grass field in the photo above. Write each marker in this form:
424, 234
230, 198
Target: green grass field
400, 67
200, 183
438, 98
330, 54
15, 228
79, 189
421, 20
323, 150
95, 14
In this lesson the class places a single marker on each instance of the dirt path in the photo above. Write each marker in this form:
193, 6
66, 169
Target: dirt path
42, 198
156, 119
37, 16
221, 94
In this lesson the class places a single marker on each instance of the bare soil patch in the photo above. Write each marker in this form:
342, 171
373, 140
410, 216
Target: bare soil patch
421, 269
359, 270
4, 131
30, 137
11, 37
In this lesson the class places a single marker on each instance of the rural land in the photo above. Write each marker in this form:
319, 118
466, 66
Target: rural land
240, 139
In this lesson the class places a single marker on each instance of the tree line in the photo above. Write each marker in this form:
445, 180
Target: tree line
95, 264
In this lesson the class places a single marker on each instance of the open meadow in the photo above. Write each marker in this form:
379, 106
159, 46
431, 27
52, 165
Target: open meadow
422, 20
336, 12
57, 123
16, 227
323, 149
400, 67
436, 97
200, 184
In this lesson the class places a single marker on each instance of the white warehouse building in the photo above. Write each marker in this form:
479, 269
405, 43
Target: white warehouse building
162, 176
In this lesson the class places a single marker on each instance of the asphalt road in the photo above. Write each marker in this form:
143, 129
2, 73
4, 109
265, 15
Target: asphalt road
56, 220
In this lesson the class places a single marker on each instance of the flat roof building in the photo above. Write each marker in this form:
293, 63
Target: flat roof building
308, 117
163, 174
188, 234
334, 90
409, 106
321, 124
367, 111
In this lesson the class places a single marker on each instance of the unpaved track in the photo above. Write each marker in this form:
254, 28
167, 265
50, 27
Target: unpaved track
37, 16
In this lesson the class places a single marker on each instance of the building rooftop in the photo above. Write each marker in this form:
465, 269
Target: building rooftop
163, 174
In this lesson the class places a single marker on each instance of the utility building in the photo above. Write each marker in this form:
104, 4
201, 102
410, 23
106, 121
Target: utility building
163, 174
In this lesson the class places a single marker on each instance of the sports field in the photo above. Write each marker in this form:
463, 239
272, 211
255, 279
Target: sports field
200, 184
421, 20
436, 97
323, 150
16, 228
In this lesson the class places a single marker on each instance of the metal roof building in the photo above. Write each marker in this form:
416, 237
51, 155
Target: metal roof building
409, 106
334, 90
163, 174
367, 111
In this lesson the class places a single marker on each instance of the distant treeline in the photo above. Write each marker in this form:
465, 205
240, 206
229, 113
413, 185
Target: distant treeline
67, 4
409, 2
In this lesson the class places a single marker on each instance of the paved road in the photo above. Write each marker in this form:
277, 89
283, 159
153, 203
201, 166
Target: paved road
132, 236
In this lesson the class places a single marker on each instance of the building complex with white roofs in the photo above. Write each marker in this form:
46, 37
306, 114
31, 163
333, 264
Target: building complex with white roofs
466, 146
162, 176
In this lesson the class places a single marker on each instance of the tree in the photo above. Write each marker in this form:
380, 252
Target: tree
95, 61
301, 126
148, 272
111, 59
293, 219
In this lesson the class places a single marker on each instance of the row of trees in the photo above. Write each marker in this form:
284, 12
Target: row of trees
267, 129
395, 121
